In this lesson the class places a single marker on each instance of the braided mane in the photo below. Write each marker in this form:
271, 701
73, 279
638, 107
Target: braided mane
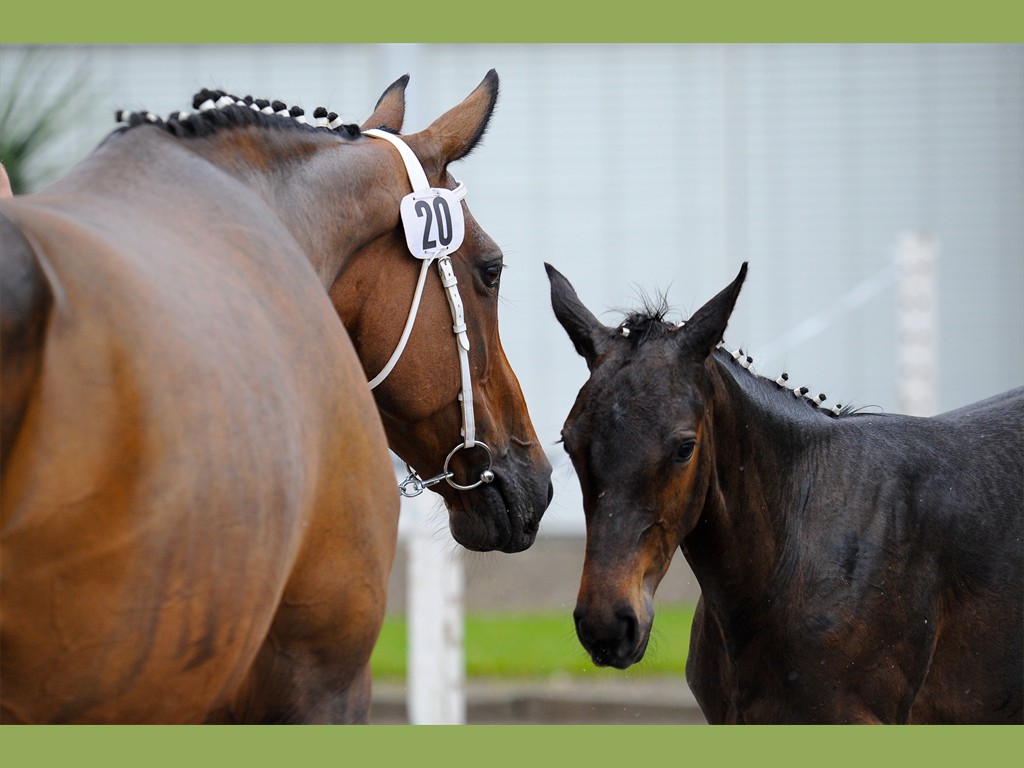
745, 361
217, 109
648, 323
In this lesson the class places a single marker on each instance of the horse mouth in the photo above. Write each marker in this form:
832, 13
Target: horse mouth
500, 516
602, 658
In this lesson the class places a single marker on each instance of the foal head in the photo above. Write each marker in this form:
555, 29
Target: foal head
640, 439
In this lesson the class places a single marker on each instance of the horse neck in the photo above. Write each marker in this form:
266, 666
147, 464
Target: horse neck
742, 544
334, 195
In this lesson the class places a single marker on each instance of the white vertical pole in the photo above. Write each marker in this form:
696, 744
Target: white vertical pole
436, 661
918, 324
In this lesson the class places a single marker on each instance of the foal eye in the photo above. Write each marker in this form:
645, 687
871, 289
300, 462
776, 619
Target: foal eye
492, 274
685, 451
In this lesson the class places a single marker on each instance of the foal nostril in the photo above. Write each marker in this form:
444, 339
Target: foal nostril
629, 625
611, 638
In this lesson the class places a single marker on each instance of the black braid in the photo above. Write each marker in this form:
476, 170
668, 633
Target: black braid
239, 113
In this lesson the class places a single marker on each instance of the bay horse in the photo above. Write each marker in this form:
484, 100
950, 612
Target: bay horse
854, 568
199, 512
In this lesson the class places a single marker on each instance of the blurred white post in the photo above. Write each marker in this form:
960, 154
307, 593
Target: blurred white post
434, 595
918, 324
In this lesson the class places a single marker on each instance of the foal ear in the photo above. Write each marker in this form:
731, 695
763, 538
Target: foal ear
454, 134
390, 110
707, 326
588, 334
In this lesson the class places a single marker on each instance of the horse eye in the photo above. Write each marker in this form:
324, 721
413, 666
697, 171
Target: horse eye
492, 274
685, 451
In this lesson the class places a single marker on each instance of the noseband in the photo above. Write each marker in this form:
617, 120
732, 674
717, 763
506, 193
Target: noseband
414, 485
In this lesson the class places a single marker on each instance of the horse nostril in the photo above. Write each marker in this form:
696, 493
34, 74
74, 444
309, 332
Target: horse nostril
630, 625
551, 493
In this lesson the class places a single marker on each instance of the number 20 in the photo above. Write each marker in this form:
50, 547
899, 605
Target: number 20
444, 221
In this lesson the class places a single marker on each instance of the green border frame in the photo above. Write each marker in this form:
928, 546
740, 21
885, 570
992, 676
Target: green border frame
533, 21
529, 21
512, 746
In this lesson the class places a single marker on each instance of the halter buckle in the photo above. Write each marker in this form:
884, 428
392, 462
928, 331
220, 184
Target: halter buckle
414, 485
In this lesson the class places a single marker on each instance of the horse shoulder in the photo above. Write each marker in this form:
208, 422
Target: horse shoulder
26, 299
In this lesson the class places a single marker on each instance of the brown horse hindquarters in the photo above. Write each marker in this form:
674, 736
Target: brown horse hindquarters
199, 464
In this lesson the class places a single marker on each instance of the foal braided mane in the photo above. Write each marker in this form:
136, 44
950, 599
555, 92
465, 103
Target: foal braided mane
649, 323
217, 109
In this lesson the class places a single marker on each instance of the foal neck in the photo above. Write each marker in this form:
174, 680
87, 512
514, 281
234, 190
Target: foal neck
742, 544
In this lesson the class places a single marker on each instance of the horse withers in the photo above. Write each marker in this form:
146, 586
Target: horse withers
854, 568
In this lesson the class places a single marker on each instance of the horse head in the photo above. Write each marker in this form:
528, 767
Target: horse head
640, 438
451, 404
449, 401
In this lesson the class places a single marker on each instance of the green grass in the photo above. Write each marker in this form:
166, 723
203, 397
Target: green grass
539, 645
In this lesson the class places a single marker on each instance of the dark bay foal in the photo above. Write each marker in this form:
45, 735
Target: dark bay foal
854, 568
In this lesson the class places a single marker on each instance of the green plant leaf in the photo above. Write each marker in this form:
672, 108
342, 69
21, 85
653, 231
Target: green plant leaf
29, 122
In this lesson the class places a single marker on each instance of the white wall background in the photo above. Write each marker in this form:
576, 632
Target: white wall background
663, 167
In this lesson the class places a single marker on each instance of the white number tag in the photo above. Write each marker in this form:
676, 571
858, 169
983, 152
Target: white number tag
433, 221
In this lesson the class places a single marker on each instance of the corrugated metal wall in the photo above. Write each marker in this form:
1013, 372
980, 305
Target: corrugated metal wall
664, 167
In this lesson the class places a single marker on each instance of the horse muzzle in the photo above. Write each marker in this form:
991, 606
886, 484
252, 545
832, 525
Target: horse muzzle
504, 514
614, 637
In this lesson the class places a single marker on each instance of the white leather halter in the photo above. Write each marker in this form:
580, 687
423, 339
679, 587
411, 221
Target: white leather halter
414, 485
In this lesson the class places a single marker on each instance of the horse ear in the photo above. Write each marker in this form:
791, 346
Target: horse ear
390, 110
588, 334
705, 329
454, 134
